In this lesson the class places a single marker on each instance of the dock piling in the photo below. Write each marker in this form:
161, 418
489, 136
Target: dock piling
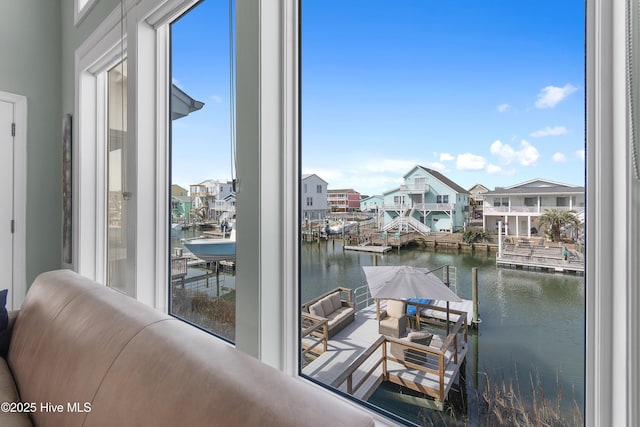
474, 295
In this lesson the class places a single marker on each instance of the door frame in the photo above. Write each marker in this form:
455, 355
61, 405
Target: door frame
18, 288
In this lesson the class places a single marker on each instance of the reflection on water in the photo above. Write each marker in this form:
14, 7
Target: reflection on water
532, 323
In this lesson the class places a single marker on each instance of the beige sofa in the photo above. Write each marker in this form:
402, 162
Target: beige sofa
81, 354
338, 311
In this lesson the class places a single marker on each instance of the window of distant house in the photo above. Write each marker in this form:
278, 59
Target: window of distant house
202, 288
304, 188
309, 201
397, 94
318, 189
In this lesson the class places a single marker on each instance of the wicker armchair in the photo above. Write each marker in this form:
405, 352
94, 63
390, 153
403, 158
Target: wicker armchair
393, 320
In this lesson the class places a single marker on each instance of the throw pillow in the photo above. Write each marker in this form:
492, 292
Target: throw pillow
4, 316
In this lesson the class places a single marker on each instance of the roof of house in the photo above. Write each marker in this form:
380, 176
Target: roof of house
309, 175
537, 186
445, 180
480, 187
342, 190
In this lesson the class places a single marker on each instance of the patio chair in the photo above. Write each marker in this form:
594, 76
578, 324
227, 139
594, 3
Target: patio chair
393, 320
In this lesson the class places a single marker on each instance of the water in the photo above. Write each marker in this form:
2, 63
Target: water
532, 322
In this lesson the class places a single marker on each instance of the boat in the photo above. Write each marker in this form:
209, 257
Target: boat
339, 227
213, 249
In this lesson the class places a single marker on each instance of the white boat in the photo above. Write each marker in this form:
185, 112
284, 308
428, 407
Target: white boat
213, 249
339, 227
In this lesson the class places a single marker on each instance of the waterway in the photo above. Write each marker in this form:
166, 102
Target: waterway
533, 323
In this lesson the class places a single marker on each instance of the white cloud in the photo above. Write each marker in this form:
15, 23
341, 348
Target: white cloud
549, 131
216, 98
503, 107
559, 158
580, 154
444, 157
550, 96
493, 169
527, 155
468, 161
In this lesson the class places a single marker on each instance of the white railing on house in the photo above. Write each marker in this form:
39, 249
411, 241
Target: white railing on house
513, 209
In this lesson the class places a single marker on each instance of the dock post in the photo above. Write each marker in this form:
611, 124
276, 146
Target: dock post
499, 239
474, 295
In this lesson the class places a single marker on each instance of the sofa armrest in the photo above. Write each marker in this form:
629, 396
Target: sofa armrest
5, 336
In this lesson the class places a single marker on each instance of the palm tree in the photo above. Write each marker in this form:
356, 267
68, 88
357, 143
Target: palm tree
554, 220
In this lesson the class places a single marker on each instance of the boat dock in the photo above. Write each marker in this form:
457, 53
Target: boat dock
540, 258
357, 359
378, 249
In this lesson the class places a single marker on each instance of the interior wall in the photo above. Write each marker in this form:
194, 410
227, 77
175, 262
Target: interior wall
31, 67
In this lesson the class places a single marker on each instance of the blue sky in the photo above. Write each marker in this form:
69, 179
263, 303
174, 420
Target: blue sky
486, 92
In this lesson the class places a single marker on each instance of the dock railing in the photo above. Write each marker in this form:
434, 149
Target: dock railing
424, 359
314, 332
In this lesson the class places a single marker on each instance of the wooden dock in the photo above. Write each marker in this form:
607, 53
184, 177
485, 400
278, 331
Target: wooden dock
378, 249
358, 359
540, 258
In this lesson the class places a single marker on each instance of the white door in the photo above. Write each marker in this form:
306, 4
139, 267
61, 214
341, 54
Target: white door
6, 212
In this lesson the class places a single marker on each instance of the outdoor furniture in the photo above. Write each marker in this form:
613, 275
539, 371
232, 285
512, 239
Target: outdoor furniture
393, 320
408, 355
338, 311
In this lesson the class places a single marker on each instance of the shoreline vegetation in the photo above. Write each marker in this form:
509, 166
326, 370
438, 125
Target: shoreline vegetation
501, 403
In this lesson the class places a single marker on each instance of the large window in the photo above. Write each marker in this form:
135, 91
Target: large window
489, 93
202, 285
267, 156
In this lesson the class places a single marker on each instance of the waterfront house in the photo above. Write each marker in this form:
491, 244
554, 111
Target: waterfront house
314, 203
343, 200
371, 203
477, 204
59, 51
426, 201
518, 206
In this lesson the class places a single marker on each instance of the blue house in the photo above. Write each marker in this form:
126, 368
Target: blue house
426, 201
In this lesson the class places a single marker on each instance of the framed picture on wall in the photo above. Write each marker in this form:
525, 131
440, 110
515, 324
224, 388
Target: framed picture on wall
67, 253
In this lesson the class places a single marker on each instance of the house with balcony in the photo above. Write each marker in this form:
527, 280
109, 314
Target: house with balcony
426, 201
518, 206
477, 200
313, 200
343, 200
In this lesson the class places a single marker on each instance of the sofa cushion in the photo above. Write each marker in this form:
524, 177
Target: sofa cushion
395, 308
228, 388
338, 315
327, 306
335, 300
316, 309
68, 332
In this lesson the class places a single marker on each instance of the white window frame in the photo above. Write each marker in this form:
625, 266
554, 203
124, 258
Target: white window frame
81, 10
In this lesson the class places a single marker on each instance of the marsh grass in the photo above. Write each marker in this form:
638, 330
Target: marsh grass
502, 405
215, 314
